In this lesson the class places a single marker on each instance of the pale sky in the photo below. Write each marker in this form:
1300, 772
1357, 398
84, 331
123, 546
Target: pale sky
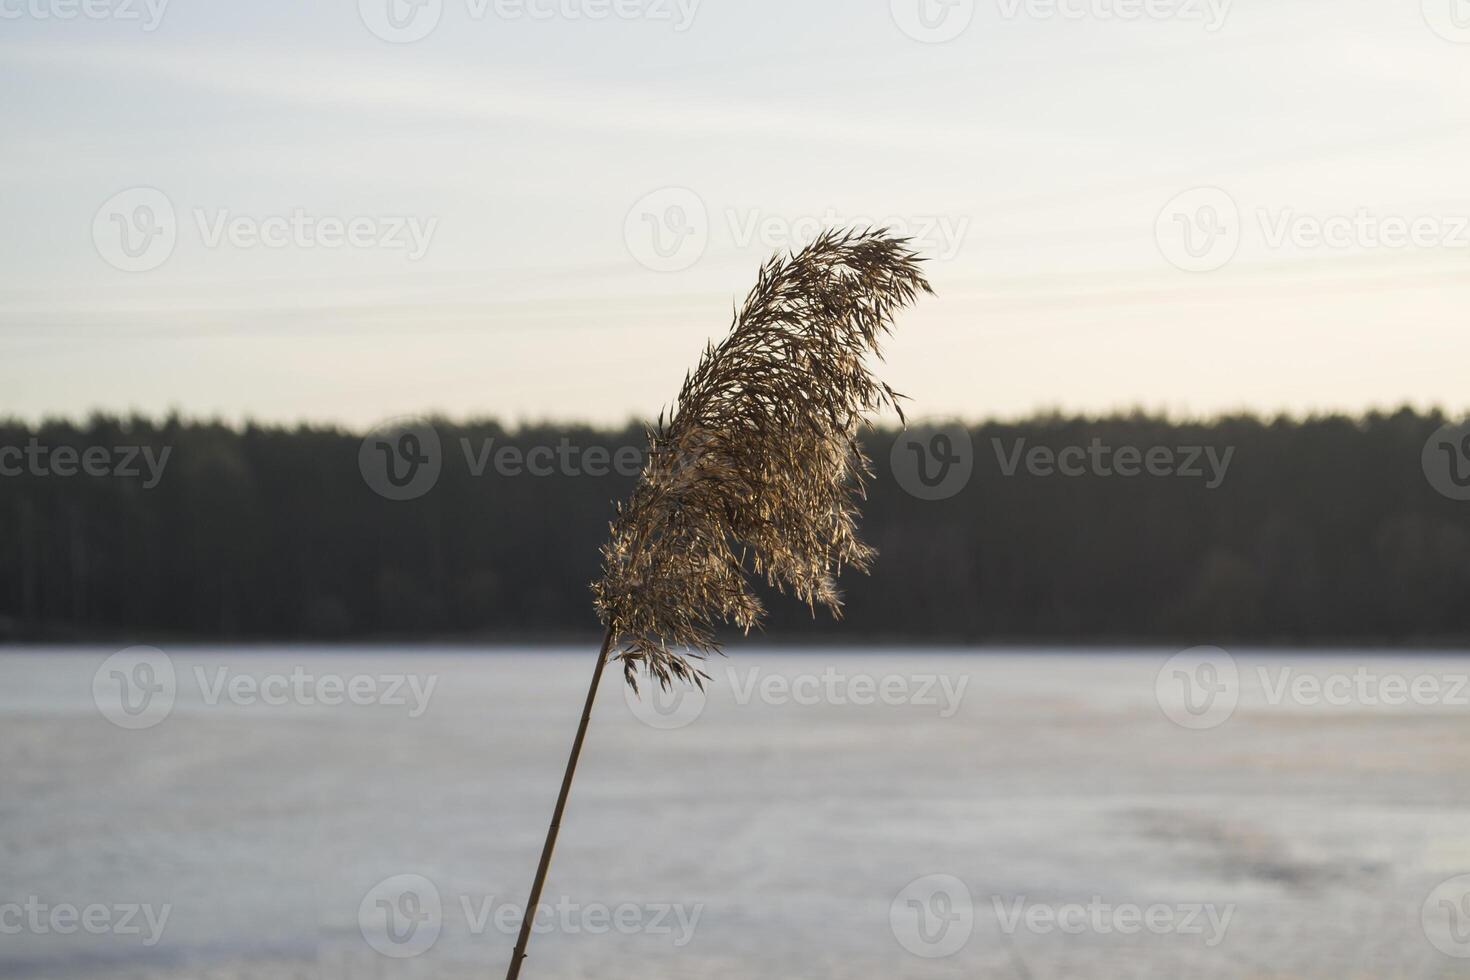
555, 212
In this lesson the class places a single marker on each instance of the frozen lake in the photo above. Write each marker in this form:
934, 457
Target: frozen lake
354, 814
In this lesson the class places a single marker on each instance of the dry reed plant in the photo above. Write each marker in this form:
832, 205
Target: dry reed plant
759, 466
758, 471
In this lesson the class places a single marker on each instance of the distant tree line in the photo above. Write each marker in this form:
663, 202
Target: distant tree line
1066, 529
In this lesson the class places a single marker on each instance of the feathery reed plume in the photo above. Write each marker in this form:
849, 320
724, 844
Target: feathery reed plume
758, 470
760, 461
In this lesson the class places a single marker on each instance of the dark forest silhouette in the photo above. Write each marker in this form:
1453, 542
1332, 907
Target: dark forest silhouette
1322, 530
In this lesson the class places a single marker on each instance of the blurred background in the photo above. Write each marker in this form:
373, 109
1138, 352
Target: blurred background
328, 339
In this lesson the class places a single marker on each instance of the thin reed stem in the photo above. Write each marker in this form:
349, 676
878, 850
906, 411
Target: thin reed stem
529, 915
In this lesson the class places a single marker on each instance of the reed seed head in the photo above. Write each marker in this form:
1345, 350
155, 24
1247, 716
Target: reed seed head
758, 469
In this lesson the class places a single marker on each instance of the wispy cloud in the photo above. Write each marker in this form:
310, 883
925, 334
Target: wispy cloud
432, 92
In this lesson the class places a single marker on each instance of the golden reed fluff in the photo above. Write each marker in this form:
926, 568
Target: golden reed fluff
759, 466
